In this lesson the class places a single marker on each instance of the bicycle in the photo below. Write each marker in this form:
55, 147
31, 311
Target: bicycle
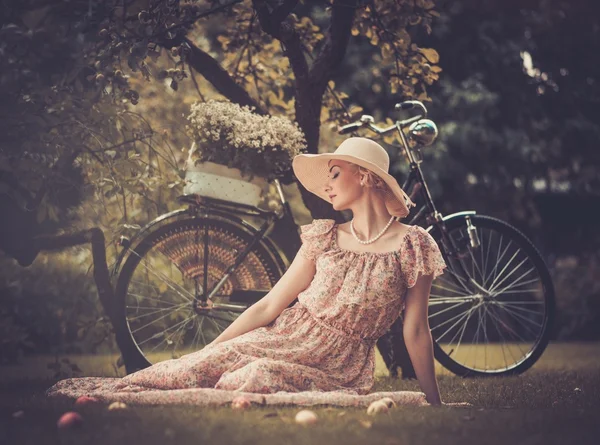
166, 275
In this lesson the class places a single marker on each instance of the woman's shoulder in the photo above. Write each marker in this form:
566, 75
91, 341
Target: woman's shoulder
418, 235
420, 255
316, 237
317, 227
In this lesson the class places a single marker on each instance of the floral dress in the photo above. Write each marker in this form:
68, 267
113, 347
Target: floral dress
325, 343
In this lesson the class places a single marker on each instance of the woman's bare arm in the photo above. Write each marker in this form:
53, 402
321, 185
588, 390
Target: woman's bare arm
297, 278
417, 336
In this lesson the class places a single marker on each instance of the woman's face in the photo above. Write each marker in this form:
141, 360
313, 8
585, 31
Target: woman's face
343, 183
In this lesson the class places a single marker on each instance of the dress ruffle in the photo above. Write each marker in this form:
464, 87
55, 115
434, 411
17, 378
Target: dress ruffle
316, 238
417, 255
110, 389
420, 256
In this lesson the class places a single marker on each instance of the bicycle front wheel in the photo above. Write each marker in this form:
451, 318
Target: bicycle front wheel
491, 313
160, 286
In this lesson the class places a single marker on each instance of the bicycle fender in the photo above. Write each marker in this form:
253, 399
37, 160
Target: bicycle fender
455, 215
182, 212
142, 232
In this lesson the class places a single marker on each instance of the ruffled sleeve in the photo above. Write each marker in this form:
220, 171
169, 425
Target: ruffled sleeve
316, 238
421, 256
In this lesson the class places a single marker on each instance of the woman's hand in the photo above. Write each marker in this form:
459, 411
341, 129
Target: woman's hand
455, 404
458, 404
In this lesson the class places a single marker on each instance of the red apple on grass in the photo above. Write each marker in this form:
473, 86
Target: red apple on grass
69, 420
86, 400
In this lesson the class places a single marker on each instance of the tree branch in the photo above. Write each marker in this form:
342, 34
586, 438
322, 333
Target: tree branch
283, 10
334, 50
275, 24
212, 71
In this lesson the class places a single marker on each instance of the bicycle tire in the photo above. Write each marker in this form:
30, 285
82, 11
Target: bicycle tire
501, 303
259, 271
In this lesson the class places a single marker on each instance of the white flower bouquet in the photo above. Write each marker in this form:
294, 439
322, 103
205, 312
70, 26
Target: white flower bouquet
229, 134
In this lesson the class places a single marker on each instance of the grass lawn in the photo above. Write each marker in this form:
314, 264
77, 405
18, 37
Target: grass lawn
556, 402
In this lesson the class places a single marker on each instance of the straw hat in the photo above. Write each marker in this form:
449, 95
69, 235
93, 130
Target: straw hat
312, 171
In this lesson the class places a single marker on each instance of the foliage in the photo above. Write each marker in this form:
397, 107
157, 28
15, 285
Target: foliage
14, 338
386, 26
67, 135
51, 306
64, 368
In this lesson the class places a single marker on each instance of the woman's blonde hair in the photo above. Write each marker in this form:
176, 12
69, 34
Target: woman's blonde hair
373, 180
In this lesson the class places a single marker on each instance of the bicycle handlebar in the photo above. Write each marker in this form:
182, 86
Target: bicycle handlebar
409, 104
367, 121
350, 128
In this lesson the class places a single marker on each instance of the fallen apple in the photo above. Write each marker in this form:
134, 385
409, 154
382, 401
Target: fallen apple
306, 417
377, 407
70, 419
116, 406
86, 400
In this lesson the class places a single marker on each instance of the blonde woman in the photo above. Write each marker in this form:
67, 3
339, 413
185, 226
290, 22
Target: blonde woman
352, 281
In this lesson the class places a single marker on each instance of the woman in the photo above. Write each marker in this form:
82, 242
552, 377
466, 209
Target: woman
352, 280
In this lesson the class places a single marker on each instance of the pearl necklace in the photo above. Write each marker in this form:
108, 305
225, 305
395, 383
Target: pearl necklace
372, 239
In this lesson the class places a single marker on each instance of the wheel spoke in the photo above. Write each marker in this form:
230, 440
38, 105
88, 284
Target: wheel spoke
182, 322
493, 318
461, 316
152, 322
201, 330
499, 257
444, 310
517, 315
196, 334
462, 332
144, 297
189, 297
483, 259
449, 289
155, 312
494, 284
517, 306
513, 284
475, 265
160, 334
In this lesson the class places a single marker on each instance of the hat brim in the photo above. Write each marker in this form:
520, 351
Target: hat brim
312, 171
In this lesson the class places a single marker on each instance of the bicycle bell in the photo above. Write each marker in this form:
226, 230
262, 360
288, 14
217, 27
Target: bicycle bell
423, 132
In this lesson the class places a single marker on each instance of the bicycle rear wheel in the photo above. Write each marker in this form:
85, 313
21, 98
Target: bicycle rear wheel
159, 287
491, 313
